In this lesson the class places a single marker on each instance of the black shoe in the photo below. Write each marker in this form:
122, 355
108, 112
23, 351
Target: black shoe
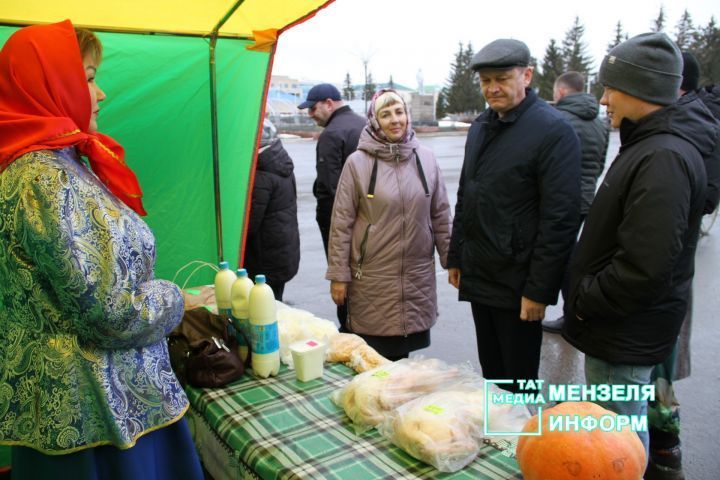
553, 326
665, 464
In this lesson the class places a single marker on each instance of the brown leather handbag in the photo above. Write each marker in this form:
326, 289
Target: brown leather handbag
197, 358
212, 363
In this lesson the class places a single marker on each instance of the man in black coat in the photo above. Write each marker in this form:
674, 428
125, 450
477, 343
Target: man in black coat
581, 109
631, 271
338, 140
516, 215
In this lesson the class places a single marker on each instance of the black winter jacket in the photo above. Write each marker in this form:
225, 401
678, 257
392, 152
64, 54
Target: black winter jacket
516, 216
710, 96
581, 111
631, 272
273, 240
336, 142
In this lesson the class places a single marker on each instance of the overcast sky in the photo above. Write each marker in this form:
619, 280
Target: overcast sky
402, 37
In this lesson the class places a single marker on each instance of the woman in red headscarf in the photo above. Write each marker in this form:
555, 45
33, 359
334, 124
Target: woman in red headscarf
86, 386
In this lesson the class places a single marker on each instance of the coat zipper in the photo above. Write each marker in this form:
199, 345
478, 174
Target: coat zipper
363, 246
402, 247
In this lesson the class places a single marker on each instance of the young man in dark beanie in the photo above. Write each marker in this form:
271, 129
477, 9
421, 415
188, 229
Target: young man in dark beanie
664, 412
630, 274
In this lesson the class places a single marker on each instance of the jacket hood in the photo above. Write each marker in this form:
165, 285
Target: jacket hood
384, 150
583, 105
689, 119
710, 96
275, 159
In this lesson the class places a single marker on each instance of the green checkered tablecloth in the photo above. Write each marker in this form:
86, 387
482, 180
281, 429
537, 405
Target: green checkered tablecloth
281, 428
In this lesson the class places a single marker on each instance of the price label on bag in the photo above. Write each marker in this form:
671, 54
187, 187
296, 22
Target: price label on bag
436, 409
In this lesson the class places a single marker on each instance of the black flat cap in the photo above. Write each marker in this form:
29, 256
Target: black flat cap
502, 53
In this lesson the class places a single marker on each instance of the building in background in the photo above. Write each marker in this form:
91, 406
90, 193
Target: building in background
286, 85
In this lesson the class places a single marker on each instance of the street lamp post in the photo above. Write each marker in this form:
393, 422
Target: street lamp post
365, 92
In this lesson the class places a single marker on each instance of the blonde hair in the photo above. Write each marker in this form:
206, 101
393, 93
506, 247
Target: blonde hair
387, 99
89, 44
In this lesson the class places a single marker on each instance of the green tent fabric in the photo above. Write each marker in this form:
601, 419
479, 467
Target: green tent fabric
158, 108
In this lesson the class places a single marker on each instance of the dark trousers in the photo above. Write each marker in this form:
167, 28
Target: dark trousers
278, 289
508, 348
564, 286
323, 216
399, 357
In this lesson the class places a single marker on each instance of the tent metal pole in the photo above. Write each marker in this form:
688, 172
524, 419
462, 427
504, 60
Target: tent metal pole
214, 126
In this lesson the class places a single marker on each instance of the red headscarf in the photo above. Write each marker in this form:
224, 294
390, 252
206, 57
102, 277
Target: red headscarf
45, 104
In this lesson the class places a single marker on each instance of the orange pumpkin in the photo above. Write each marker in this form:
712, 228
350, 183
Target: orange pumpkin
571, 455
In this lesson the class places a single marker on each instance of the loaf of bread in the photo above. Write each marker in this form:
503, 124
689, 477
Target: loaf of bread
365, 358
341, 347
437, 429
446, 428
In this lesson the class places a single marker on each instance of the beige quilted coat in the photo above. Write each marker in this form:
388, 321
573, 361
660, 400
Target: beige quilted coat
385, 245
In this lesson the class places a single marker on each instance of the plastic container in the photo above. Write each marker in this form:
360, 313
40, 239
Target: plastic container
265, 340
240, 295
224, 280
308, 358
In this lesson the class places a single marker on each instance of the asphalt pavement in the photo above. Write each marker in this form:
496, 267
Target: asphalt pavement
453, 338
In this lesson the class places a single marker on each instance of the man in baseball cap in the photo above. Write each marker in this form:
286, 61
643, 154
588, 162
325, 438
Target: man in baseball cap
318, 93
517, 213
339, 138
631, 272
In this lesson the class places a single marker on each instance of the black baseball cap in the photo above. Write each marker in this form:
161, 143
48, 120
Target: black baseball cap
318, 93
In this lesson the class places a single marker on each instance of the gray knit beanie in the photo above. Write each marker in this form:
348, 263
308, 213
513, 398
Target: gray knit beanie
648, 66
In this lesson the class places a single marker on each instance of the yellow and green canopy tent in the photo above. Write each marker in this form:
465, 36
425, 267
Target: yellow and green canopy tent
189, 125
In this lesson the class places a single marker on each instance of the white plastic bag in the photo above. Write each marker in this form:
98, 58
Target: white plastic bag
446, 428
295, 325
373, 394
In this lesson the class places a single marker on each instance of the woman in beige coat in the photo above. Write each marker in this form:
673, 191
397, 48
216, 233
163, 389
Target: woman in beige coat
391, 213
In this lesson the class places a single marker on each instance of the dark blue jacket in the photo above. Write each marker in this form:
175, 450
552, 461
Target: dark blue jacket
631, 272
337, 141
710, 96
517, 210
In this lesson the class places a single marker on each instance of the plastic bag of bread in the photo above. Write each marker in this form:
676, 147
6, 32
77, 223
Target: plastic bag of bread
365, 358
446, 428
341, 346
295, 324
372, 394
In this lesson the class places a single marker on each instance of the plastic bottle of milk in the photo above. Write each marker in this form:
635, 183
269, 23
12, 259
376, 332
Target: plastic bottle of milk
240, 295
224, 280
265, 343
